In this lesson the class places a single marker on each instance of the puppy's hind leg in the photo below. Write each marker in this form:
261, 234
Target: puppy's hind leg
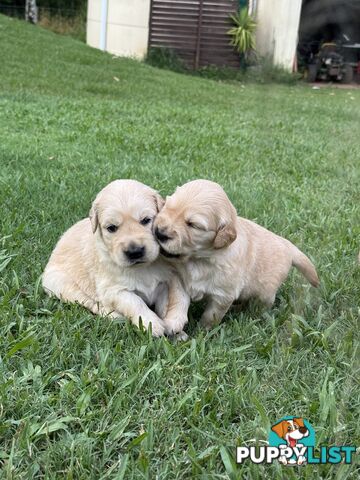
239, 305
214, 312
57, 283
267, 299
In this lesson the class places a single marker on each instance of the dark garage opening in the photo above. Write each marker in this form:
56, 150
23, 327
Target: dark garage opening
330, 21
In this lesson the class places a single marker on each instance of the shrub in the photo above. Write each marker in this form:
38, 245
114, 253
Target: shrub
162, 57
263, 72
243, 33
73, 26
266, 72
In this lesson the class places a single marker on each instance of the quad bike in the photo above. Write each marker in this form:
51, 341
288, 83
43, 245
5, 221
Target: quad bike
329, 65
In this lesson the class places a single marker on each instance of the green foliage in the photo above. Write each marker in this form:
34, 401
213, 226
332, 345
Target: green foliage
59, 16
84, 397
162, 57
73, 26
266, 72
65, 8
220, 73
243, 32
263, 72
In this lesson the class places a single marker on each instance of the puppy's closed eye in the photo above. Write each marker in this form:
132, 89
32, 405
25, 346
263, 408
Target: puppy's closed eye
196, 226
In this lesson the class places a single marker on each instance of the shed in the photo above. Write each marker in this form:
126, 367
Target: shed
120, 27
283, 25
195, 29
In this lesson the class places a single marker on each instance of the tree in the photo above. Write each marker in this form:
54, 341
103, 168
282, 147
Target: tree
31, 11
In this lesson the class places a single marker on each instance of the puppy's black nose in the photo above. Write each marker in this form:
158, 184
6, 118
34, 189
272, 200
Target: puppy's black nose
134, 252
303, 430
160, 235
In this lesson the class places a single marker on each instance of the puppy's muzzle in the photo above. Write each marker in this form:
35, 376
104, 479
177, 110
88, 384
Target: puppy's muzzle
134, 252
161, 235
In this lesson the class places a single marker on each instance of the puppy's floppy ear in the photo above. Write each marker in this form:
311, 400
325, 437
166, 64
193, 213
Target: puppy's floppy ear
94, 217
299, 421
225, 235
279, 429
159, 201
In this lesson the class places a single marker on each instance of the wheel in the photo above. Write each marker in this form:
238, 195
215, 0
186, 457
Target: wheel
312, 72
348, 74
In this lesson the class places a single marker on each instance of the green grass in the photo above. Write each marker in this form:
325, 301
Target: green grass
83, 397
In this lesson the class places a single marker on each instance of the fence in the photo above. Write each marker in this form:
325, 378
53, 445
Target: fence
195, 30
18, 10
66, 21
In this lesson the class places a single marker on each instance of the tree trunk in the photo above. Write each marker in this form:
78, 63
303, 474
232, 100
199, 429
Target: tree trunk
31, 11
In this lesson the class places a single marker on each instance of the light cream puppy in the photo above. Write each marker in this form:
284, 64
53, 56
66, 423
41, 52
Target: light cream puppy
110, 262
220, 256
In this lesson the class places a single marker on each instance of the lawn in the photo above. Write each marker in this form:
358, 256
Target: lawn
82, 397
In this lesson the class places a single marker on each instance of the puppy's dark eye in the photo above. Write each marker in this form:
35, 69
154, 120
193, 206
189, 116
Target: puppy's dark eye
289, 428
112, 228
145, 221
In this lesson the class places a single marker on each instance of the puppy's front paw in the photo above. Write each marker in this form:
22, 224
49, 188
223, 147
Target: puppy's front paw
157, 327
181, 336
175, 324
115, 314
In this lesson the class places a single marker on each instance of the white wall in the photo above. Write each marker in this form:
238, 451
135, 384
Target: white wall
277, 31
127, 26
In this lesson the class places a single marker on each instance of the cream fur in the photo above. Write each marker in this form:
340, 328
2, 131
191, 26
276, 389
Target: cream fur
222, 257
89, 265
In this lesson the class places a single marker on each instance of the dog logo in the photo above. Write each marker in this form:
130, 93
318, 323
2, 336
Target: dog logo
292, 442
293, 433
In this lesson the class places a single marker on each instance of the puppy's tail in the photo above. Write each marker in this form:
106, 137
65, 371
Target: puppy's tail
303, 263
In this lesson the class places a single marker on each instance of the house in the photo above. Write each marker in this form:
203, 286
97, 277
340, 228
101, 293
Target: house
277, 30
196, 29
120, 27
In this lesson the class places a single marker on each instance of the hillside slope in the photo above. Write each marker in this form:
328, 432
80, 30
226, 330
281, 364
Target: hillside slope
85, 397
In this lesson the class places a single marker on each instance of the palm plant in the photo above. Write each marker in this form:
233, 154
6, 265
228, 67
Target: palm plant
243, 32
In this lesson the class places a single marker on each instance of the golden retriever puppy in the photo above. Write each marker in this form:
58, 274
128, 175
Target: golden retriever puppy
220, 256
110, 262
